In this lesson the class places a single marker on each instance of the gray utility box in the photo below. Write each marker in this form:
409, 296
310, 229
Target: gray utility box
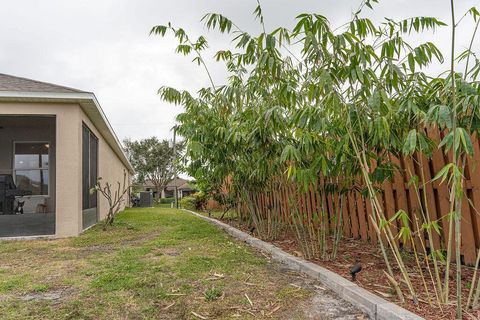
146, 199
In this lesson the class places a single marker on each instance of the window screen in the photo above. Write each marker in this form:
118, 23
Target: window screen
89, 168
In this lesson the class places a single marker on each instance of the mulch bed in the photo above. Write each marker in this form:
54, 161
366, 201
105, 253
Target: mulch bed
372, 277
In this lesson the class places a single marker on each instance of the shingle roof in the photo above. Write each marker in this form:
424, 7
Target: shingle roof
12, 83
177, 182
184, 186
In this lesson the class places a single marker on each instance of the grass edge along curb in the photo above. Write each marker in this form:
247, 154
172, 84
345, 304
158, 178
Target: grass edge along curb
375, 306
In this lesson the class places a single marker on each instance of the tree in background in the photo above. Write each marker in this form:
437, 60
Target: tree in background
153, 160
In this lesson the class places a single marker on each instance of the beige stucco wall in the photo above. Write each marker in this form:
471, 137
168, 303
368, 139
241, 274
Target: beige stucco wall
69, 118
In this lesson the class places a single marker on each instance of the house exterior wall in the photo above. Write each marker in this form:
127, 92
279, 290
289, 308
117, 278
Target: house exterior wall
110, 167
69, 120
68, 164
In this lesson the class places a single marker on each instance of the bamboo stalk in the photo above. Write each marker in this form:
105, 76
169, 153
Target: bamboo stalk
474, 278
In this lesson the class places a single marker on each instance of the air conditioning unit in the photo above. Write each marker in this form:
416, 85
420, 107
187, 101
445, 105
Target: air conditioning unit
146, 199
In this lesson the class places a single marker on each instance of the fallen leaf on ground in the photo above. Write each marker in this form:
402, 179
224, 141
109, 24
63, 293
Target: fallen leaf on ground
247, 311
169, 306
384, 294
298, 253
199, 316
274, 310
249, 301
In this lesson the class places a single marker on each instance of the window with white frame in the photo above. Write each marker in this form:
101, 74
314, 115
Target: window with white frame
31, 167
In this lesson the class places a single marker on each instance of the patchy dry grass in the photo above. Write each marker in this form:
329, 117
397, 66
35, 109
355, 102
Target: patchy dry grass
152, 264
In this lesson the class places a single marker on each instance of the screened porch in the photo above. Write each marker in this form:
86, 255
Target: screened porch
27, 175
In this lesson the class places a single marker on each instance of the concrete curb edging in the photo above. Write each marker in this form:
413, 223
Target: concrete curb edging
373, 305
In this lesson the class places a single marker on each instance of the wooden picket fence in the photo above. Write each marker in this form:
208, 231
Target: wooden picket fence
395, 195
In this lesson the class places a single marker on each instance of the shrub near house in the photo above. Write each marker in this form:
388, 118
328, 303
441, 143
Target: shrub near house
197, 201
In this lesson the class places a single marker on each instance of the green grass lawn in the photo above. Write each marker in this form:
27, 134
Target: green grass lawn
163, 205
152, 264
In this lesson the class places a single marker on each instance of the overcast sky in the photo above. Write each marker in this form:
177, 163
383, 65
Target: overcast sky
103, 46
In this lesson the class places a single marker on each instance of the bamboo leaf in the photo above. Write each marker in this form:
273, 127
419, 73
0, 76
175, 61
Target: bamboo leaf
410, 142
443, 173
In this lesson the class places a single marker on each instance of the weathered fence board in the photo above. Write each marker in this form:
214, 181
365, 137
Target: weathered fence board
399, 193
